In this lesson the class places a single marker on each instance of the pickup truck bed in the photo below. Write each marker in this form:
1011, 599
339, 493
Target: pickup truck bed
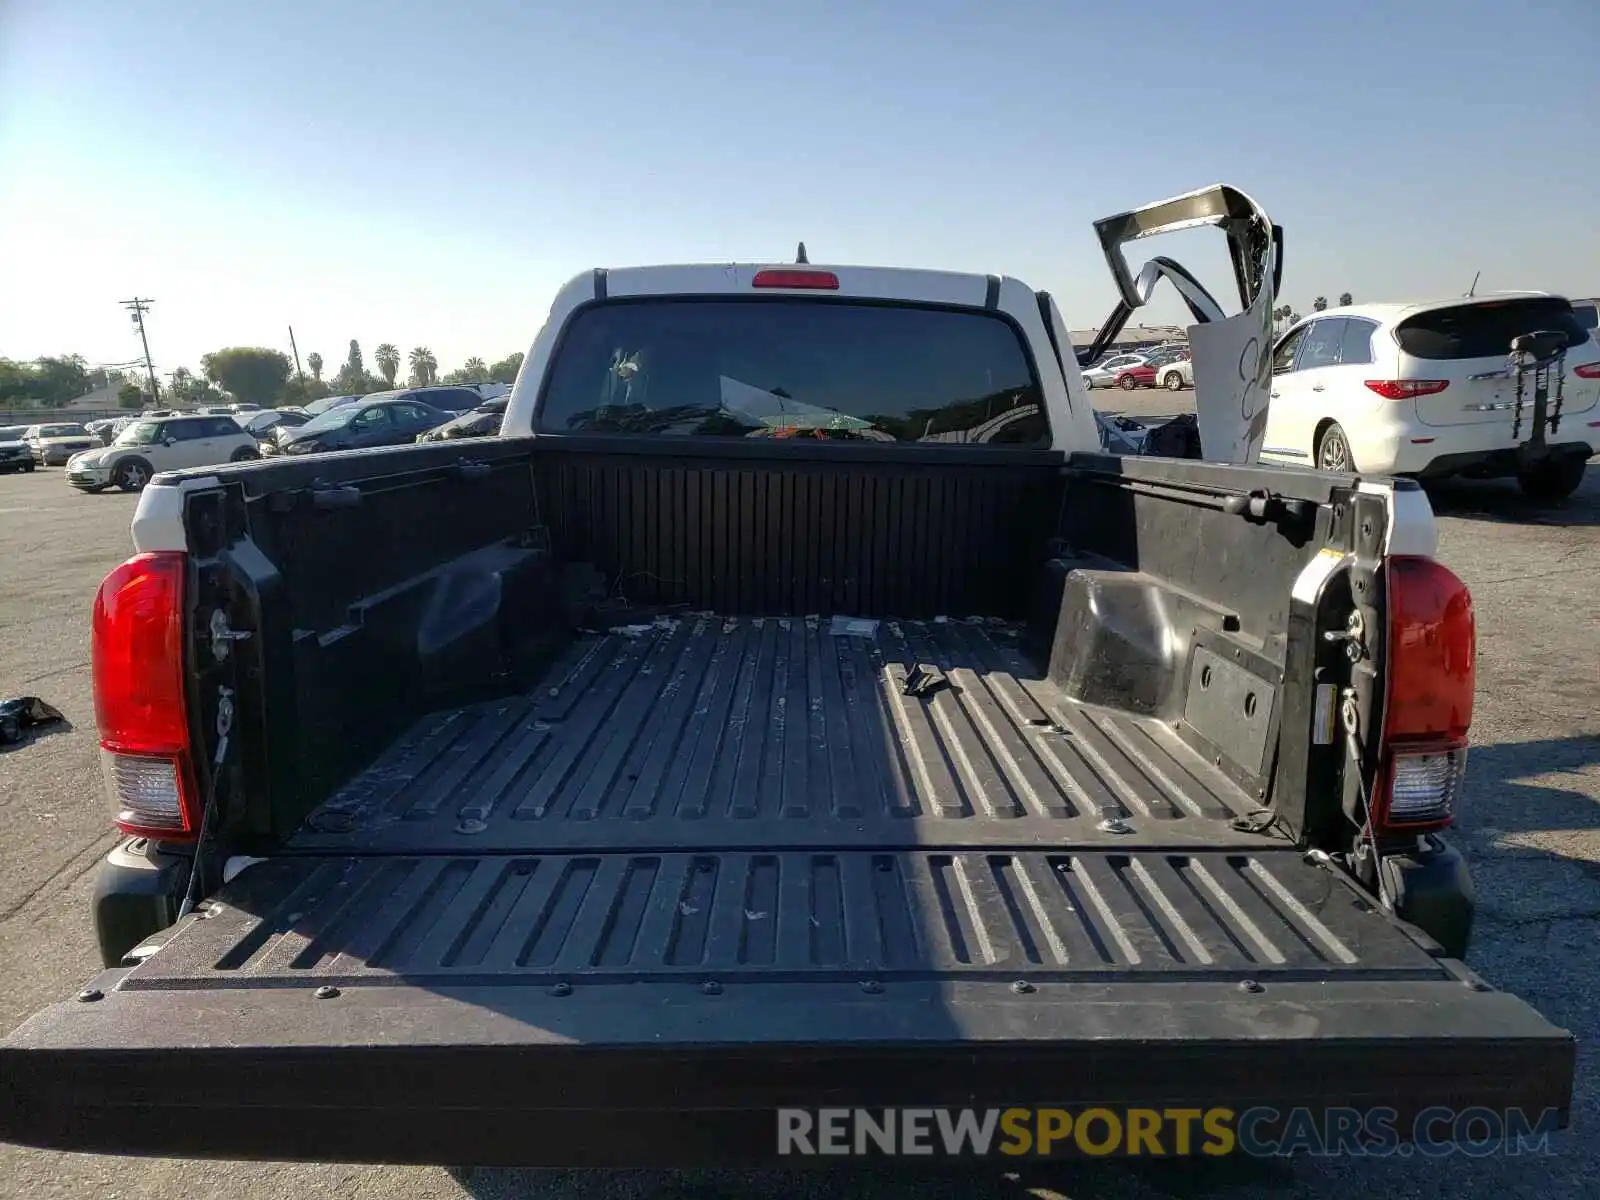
710, 732
541, 891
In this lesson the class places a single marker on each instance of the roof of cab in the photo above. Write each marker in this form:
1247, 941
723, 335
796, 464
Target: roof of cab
876, 283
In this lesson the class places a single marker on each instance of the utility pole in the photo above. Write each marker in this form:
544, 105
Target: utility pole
299, 374
138, 307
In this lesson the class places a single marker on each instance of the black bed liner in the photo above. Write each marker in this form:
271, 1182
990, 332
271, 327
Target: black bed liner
721, 733
709, 867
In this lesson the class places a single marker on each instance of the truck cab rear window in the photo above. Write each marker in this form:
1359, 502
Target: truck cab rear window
1485, 330
784, 368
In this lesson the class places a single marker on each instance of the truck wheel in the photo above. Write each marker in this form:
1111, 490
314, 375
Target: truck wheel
131, 474
1552, 480
1127, 383
1333, 451
1174, 382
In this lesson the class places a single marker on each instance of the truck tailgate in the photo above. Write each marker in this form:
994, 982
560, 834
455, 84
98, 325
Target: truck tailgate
654, 1008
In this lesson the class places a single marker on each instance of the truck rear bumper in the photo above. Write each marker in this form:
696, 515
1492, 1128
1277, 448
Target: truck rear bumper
690, 1074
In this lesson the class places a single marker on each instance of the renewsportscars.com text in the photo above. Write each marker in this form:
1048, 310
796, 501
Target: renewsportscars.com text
1160, 1132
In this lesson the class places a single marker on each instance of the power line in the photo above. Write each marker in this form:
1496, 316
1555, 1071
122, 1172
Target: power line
138, 307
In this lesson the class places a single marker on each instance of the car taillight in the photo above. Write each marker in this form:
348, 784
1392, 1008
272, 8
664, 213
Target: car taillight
1432, 670
823, 280
139, 702
1587, 371
1406, 389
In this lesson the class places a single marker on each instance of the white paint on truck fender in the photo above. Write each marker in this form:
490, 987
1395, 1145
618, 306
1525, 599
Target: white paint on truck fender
1411, 527
158, 521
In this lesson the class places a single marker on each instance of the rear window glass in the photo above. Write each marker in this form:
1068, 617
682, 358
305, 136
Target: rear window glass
1485, 330
1588, 315
793, 368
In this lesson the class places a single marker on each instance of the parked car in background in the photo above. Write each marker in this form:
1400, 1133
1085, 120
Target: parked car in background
381, 419
259, 424
483, 421
15, 453
449, 397
244, 408
1426, 389
1175, 375
103, 430
1108, 371
51, 445
317, 407
1588, 314
151, 446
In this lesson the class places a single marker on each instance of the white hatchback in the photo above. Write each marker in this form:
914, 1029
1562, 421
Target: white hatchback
150, 446
1428, 390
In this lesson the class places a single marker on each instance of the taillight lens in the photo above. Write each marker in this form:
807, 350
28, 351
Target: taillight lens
139, 700
816, 280
1587, 371
1407, 389
1432, 673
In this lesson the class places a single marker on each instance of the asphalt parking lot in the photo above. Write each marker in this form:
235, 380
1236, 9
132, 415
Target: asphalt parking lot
1530, 824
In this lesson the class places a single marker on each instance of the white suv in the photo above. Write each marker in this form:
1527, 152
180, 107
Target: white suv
148, 447
1427, 390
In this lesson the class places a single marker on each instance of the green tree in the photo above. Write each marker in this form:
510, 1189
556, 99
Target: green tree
301, 390
1320, 303
314, 361
424, 367
187, 389
1345, 298
505, 371
476, 370
129, 395
352, 377
254, 374
388, 360
48, 382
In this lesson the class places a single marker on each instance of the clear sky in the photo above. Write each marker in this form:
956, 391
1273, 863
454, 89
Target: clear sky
430, 172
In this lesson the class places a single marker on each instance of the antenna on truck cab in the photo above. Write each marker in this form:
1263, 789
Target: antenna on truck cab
800, 254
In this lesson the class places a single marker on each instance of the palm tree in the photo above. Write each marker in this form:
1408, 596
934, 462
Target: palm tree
1345, 298
423, 366
475, 369
1320, 303
388, 360
314, 361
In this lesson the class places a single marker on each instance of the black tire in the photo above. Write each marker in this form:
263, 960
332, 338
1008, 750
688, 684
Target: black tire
1127, 383
1174, 381
243, 454
1552, 480
132, 474
27, 468
1333, 451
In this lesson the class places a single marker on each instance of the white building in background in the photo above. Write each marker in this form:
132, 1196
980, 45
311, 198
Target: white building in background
1133, 337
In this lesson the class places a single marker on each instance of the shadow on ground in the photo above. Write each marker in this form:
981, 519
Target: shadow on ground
1500, 501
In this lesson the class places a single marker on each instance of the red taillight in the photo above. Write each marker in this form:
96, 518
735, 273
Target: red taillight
815, 280
139, 701
1407, 389
1432, 671
1587, 371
